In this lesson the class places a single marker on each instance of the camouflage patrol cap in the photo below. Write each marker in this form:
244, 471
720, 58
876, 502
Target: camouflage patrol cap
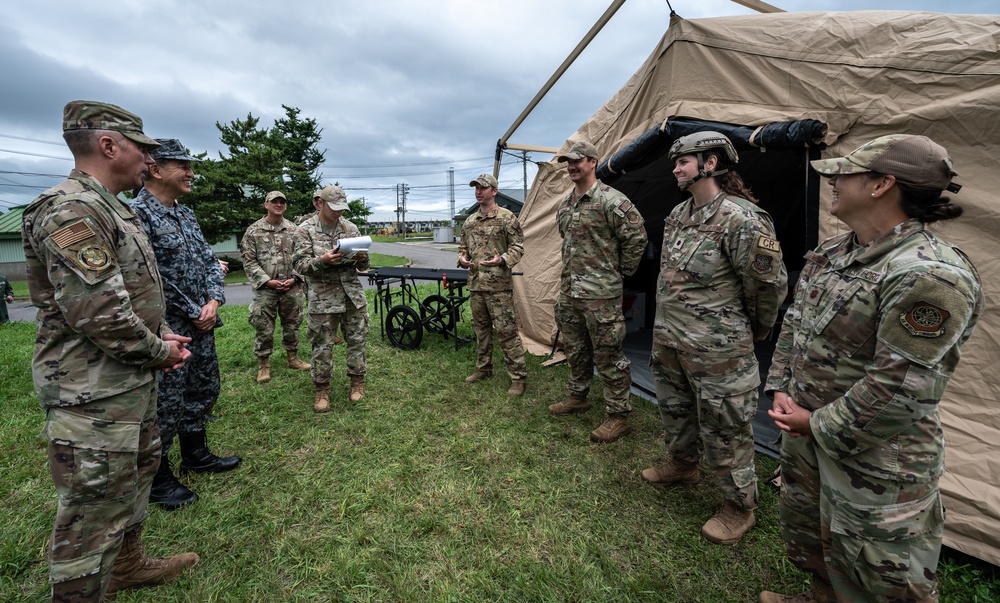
271, 196
579, 150
171, 148
334, 197
911, 159
92, 115
484, 180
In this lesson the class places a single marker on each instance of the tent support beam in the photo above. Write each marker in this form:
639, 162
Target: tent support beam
760, 7
531, 148
502, 143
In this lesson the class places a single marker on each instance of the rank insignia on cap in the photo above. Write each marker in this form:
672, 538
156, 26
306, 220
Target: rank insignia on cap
924, 320
763, 263
94, 257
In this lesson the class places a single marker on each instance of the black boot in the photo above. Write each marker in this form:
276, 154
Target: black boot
167, 490
195, 455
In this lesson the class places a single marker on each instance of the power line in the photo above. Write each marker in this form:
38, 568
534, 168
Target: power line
35, 155
395, 165
32, 174
58, 144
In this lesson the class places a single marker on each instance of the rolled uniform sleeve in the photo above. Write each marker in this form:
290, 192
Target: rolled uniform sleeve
757, 260
515, 243
248, 250
629, 227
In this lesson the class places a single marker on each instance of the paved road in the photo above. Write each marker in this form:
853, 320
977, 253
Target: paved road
421, 254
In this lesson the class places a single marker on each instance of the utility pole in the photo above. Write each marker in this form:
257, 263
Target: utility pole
524, 165
399, 208
404, 189
451, 194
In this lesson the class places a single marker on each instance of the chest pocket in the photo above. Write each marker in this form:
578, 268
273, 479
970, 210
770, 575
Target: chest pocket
848, 316
167, 237
706, 255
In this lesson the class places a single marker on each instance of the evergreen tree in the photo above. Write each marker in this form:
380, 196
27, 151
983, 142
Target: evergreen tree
228, 192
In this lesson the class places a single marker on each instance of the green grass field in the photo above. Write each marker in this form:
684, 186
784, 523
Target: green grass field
428, 490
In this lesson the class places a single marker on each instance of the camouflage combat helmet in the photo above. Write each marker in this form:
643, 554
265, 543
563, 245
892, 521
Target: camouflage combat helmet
696, 144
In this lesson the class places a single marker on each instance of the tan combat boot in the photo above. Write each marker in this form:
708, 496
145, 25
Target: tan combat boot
478, 376
614, 428
570, 405
674, 472
133, 569
517, 387
820, 592
322, 403
729, 524
263, 369
337, 340
357, 387
295, 363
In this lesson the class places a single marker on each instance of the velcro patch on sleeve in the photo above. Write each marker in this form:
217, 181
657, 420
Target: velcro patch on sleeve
73, 233
926, 321
94, 257
764, 259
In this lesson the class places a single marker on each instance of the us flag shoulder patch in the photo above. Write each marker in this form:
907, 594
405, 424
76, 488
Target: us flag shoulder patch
74, 233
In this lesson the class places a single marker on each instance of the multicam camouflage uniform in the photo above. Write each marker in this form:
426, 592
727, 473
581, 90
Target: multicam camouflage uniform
869, 345
93, 278
335, 295
720, 287
492, 299
603, 239
192, 277
267, 254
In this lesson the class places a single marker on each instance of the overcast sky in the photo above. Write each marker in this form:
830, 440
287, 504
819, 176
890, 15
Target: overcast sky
402, 89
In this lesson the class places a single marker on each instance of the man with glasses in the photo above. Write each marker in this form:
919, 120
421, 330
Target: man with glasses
194, 288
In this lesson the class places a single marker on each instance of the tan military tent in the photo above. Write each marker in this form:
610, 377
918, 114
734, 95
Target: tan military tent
862, 74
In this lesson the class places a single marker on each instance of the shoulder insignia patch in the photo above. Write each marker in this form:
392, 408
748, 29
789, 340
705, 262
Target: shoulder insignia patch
768, 243
763, 258
74, 233
626, 205
763, 263
924, 320
94, 257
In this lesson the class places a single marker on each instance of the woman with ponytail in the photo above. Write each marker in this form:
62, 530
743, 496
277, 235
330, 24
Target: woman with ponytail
721, 284
866, 350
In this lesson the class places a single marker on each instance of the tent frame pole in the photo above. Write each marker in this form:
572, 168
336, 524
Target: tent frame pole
502, 142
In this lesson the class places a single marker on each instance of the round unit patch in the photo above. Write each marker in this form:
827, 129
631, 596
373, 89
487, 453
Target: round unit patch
924, 320
94, 257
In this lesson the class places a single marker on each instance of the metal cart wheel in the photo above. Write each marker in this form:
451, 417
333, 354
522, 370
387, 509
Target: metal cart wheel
437, 314
402, 325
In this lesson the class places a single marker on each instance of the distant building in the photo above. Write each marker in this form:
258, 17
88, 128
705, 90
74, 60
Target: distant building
12, 263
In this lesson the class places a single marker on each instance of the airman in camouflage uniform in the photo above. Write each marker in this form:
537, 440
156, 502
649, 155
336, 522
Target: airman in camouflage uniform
721, 284
491, 244
194, 291
865, 353
335, 295
277, 289
603, 239
101, 335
